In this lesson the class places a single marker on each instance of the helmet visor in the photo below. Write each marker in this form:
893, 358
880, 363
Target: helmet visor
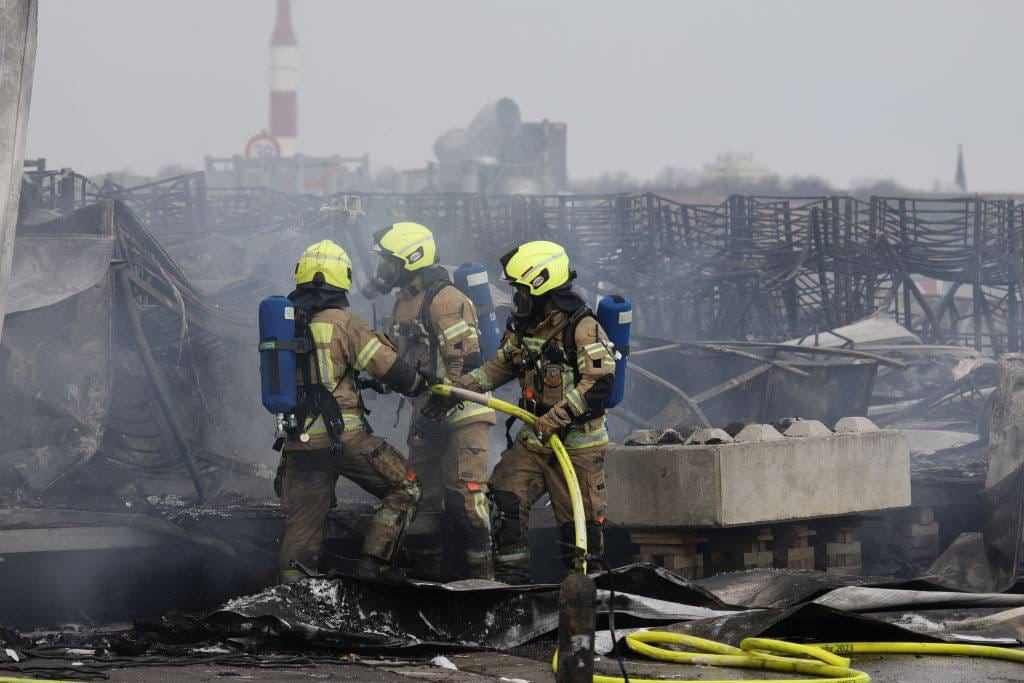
389, 271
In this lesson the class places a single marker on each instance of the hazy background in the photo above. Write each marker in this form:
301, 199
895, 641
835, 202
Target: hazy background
845, 90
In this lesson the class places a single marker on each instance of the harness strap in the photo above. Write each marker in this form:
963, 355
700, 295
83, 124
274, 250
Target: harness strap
432, 290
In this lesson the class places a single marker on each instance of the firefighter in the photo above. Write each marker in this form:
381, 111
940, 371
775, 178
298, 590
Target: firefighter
436, 328
334, 437
563, 360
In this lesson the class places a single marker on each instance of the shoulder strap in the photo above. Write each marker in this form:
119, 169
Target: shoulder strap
569, 340
432, 290
315, 400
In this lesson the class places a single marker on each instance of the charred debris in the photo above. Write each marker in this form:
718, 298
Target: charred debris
823, 383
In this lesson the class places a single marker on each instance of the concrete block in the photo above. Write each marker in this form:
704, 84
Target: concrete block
805, 428
687, 564
642, 437
793, 549
758, 559
709, 435
800, 558
671, 436
855, 425
741, 483
758, 553
843, 558
758, 432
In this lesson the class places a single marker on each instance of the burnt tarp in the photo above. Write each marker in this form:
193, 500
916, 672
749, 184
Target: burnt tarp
784, 588
792, 604
55, 359
51, 268
470, 613
76, 390
331, 615
808, 622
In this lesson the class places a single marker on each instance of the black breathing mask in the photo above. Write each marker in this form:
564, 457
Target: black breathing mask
523, 304
389, 272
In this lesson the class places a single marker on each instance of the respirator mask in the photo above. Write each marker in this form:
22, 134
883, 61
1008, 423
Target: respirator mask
523, 305
389, 273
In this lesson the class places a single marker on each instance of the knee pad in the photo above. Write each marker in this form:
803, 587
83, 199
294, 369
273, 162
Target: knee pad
468, 509
389, 528
413, 491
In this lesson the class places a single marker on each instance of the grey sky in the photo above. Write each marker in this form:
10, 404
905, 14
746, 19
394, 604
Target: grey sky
839, 89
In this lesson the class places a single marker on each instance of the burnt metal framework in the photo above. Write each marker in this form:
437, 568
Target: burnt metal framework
751, 267
171, 205
56, 189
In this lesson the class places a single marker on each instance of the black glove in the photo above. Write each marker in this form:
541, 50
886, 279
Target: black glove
374, 384
438, 406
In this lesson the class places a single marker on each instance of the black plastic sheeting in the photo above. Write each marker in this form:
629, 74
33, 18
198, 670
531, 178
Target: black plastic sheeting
465, 614
767, 588
359, 615
292, 625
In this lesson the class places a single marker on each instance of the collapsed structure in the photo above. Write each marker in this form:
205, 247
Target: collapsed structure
144, 419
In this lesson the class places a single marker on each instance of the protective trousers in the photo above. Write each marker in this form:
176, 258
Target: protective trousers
308, 482
521, 477
452, 536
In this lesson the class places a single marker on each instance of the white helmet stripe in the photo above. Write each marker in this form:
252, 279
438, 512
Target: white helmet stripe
538, 266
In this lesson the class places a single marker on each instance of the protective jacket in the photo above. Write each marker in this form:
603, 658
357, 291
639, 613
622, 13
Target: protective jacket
565, 365
345, 346
435, 325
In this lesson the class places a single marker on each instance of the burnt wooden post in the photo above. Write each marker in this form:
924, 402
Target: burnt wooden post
819, 249
576, 623
838, 298
843, 241
908, 318
871, 287
66, 191
790, 295
977, 305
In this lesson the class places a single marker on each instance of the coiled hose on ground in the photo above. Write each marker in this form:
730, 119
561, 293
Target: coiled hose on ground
826, 660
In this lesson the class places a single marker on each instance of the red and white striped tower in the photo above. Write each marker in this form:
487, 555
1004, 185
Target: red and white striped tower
284, 81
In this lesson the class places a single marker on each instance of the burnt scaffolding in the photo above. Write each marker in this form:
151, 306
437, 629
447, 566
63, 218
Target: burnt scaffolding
752, 267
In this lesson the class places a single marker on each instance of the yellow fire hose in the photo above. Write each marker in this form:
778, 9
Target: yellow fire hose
579, 522
823, 660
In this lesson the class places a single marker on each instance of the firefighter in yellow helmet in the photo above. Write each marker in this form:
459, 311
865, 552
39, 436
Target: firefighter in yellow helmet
563, 360
334, 437
436, 328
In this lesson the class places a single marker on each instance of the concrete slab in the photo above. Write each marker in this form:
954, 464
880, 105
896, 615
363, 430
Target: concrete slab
755, 482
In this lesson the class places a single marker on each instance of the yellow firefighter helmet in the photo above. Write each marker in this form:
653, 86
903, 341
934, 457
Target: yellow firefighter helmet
329, 260
538, 266
411, 243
